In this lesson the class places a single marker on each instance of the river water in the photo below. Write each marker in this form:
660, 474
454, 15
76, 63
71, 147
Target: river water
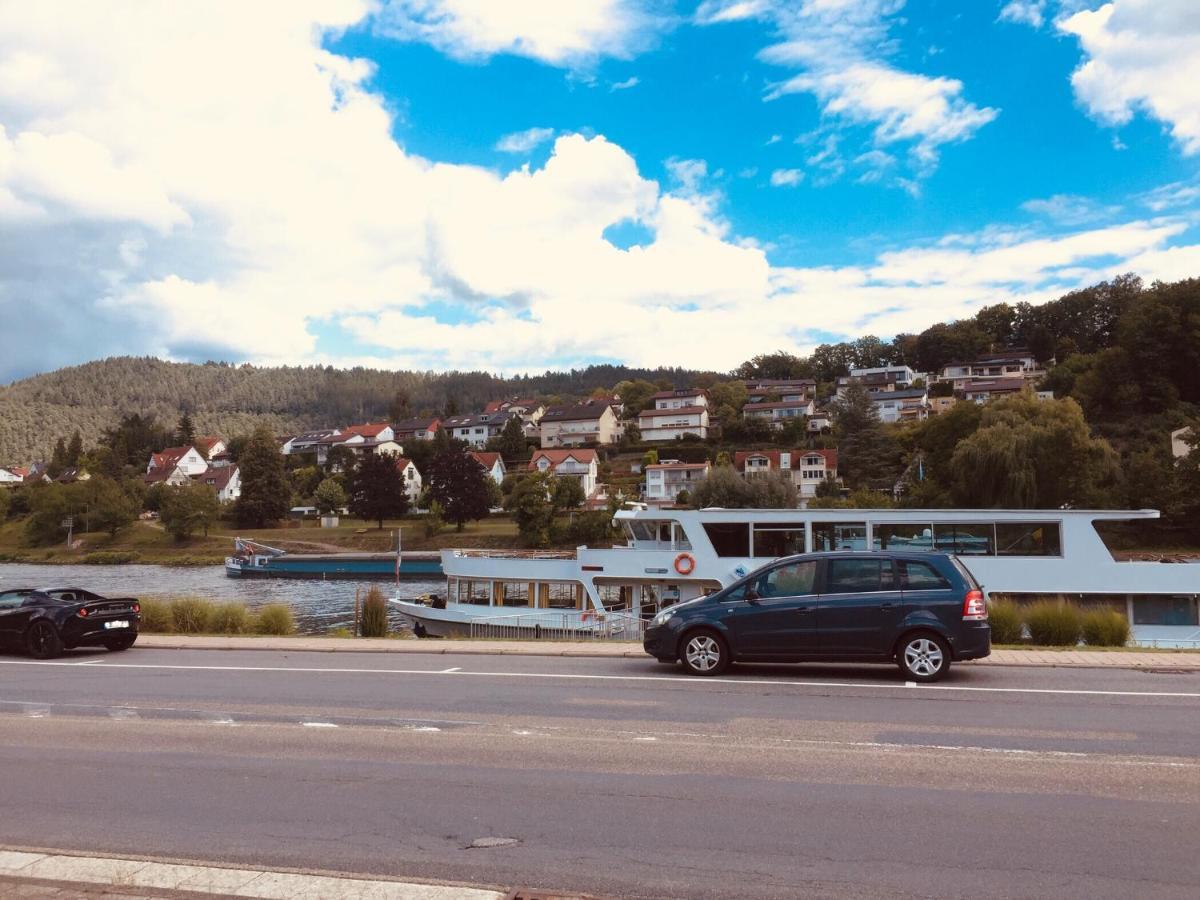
318, 606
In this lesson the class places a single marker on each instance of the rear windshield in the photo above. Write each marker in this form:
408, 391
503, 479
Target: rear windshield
965, 572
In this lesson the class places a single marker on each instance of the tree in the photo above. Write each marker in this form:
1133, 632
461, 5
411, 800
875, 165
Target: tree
4, 504
773, 490
329, 497
568, 493
635, 395
510, 443
458, 483
377, 489
401, 406
341, 459
185, 433
189, 508
75, 449
266, 496
49, 504
58, 460
866, 453
631, 436
722, 487
1032, 454
650, 458
778, 365
134, 438
106, 505
532, 509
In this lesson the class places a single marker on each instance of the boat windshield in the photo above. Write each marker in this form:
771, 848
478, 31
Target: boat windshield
656, 534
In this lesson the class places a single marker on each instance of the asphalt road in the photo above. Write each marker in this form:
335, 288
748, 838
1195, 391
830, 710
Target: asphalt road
615, 777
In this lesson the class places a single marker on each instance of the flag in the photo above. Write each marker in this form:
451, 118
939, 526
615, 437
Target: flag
397, 556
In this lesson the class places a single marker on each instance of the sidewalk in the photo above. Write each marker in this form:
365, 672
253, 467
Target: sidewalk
1089, 659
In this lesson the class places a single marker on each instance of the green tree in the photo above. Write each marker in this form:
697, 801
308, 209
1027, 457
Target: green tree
568, 493
5, 502
510, 443
773, 490
329, 497
377, 489
185, 433
650, 458
532, 508
49, 504
266, 496
635, 395
458, 483
189, 508
1032, 454
777, 365
434, 521
58, 460
867, 454
75, 449
722, 487
107, 506
134, 438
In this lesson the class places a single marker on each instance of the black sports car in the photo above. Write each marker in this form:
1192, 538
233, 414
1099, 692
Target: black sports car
46, 621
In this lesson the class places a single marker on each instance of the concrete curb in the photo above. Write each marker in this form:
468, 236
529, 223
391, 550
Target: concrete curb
266, 884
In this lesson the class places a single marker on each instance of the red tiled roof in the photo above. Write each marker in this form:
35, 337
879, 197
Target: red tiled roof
402, 463
369, 430
485, 459
168, 458
772, 456
558, 457
217, 478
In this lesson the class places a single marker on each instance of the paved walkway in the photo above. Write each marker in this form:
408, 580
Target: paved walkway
1092, 659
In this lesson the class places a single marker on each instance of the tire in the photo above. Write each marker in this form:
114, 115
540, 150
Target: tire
42, 640
923, 657
117, 644
704, 652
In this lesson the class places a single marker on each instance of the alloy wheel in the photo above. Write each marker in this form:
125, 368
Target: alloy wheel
923, 657
703, 653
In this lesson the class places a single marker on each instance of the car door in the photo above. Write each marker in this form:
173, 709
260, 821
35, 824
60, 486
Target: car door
12, 616
926, 590
860, 606
775, 615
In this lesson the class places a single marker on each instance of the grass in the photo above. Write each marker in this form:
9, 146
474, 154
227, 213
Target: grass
196, 615
374, 622
1055, 624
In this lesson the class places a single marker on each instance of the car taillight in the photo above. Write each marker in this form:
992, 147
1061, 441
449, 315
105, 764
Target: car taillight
83, 612
137, 607
974, 607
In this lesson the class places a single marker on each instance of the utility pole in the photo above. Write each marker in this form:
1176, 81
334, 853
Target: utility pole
69, 524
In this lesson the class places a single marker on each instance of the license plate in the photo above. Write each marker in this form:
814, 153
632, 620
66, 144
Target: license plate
119, 623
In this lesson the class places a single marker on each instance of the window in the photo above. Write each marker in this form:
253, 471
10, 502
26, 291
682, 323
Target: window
561, 595
903, 536
729, 538
839, 536
773, 541
968, 539
478, 593
791, 580
615, 596
1028, 539
919, 576
514, 593
11, 599
858, 576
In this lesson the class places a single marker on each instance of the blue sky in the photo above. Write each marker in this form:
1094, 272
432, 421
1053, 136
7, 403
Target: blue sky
438, 183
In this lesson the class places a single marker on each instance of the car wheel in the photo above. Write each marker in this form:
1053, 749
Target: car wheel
704, 653
923, 657
42, 640
116, 645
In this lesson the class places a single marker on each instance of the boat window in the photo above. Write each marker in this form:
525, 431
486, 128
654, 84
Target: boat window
1028, 539
1165, 610
857, 576
615, 596
902, 536
644, 531
514, 593
839, 536
773, 541
477, 593
561, 595
729, 538
965, 539
919, 576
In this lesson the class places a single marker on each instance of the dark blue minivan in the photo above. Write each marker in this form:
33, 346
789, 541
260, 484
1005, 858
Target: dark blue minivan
918, 610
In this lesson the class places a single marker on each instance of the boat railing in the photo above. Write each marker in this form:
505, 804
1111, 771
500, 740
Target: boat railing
567, 626
514, 554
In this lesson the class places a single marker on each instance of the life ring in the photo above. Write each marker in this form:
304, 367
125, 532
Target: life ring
588, 615
685, 564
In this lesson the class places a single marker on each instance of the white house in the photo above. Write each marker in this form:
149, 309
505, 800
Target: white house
211, 445
789, 390
580, 464
779, 414
187, 460
8, 476
412, 478
225, 480
881, 379
807, 468
491, 463
380, 432
820, 420
582, 423
1014, 363
982, 390
667, 479
309, 442
675, 414
894, 406
478, 428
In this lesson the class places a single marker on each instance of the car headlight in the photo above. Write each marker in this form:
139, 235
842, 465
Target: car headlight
662, 617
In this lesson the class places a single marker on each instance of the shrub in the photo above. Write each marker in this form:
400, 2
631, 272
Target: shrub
1005, 619
275, 618
191, 615
374, 621
156, 616
109, 558
229, 618
1105, 628
1052, 624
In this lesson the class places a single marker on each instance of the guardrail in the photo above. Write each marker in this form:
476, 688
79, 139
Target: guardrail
1166, 644
514, 554
567, 626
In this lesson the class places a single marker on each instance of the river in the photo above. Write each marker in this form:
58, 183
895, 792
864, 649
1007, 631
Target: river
318, 606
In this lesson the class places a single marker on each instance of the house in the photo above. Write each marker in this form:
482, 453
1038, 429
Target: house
211, 445
36, 472
478, 428
309, 442
779, 414
896, 406
1179, 442
411, 476
360, 440
881, 379
225, 480
667, 479
72, 474
491, 463
580, 464
380, 432
675, 413
422, 428
764, 390
1014, 363
820, 420
12, 475
187, 460
981, 390
593, 422
939, 405
807, 468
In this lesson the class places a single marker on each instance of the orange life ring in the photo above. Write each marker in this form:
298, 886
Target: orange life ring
685, 564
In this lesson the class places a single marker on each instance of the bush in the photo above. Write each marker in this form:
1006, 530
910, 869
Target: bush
275, 618
1005, 619
374, 621
191, 615
1105, 628
109, 558
229, 618
1052, 624
156, 616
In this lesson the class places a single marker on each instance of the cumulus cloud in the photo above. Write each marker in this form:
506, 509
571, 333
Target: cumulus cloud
786, 177
524, 141
1140, 56
1070, 209
1024, 12
631, 82
551, 31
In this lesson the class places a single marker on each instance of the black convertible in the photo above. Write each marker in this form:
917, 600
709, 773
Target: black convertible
46, 621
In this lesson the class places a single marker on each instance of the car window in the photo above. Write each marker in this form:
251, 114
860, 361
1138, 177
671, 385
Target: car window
858, 576
920, 576
789, 580
11, 600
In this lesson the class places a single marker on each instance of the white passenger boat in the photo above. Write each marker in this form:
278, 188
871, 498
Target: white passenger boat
670, 555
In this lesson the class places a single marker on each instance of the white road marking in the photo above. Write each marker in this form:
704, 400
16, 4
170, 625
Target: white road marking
90, 662
319, 724
222, 722
676, 680
450, 671
910, 684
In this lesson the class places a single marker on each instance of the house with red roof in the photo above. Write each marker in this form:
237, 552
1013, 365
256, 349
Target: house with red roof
175, 465
491, 463
225, 480
807, 468
210, 445
12, 475
581, 464
411, 476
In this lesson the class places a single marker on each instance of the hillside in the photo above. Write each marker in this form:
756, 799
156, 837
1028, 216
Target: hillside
229, 400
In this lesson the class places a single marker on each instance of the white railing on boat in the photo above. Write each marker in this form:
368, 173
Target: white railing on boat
568, 626
515, 554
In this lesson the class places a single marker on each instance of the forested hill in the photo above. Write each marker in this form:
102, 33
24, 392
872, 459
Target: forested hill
228, 399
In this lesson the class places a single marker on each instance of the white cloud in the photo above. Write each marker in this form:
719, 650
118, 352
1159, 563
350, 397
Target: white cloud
631, 82
1141, 55
1070, 209
558, 32
774, 139
786, 177
524, 141
713, 12
1024, 12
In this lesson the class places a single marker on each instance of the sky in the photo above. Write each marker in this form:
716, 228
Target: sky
530, 184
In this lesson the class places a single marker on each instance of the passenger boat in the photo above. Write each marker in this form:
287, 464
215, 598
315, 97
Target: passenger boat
671, 555
254, 560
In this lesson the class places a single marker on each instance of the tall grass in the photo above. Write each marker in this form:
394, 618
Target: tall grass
275, 618
229, 618
1005, 619
1105, 628
156, 615
191, 615
374, 621
195, 615
1053, 624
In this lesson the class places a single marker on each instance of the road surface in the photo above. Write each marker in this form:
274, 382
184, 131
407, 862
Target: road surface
616, 777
